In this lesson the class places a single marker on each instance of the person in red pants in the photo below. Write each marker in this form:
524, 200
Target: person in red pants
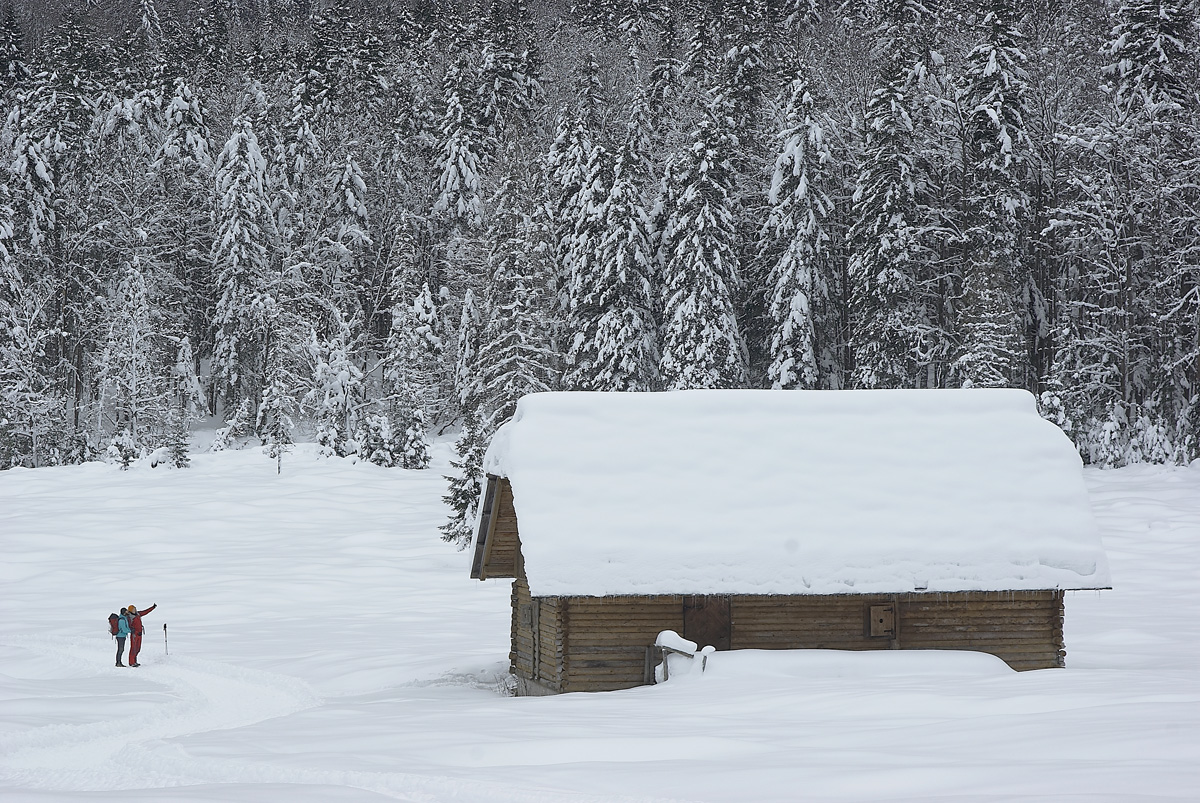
135, 636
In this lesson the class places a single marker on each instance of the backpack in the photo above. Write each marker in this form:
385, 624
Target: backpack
114, 624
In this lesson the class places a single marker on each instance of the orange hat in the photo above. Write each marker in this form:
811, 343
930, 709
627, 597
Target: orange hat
133, 609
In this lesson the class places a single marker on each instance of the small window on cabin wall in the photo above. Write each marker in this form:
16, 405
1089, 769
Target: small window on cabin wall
881, 622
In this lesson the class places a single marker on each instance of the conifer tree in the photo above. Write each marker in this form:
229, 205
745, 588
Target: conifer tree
459, 199
702, 344
1118, 381
794, 248
615, 343
997, 152
470, 329
890, 326
515, 356
131, 368
182, 167
14, 72
275, 414
462, 496
241, 259
336, 388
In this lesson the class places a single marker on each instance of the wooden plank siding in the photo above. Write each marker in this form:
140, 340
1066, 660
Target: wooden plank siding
607, 638
536, 653
1023, 628
503, 544
573, 643
599, 643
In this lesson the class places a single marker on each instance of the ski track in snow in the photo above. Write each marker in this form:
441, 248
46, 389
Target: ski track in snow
111, 754
131, 752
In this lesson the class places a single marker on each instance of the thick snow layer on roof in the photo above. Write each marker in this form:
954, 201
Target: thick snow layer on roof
795, 492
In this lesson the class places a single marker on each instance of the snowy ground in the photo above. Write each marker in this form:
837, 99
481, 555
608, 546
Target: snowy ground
326, 646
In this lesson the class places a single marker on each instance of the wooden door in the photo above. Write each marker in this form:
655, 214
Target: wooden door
706, 621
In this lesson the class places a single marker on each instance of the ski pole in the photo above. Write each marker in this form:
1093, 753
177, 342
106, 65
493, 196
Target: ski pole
165, 646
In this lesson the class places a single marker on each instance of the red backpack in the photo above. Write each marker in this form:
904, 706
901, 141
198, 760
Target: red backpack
113, 623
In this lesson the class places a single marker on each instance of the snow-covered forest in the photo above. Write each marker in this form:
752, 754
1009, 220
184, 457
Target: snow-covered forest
361, 221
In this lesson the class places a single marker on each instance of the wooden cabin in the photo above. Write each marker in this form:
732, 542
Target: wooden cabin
853, 520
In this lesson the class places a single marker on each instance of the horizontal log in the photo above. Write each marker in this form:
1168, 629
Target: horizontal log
625, 653
996, 648
1033, 636
656, 612
593, 669
960, 626
1015, 620
615, 604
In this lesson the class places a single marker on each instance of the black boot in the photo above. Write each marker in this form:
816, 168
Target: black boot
120, 664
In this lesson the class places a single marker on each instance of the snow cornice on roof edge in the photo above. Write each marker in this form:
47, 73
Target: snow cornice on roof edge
796, 492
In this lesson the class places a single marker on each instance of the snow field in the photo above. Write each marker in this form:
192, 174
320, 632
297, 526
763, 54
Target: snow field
326, 646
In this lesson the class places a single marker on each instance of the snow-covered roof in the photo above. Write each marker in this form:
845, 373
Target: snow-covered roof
795, 492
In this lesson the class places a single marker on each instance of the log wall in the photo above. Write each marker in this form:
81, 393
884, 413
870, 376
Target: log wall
606, 638
1024, 628
599, 643
536, 653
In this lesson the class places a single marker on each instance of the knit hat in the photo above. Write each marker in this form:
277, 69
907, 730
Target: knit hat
133, 609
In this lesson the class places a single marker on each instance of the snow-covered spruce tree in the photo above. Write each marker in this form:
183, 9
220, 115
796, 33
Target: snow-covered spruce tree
236, 428
569, 191
743, 68
465, 487
889, 324
579, 246
335, 390
995, 206
375, 441
411, 376
615, 342
509, 87
414, 350
29, 403
515, 357
176, 438
1121, 368
702, 58
1154, 71
186, 404
241, 256
794, 247
1061, 55
701, 342
132, 368
34, 353
470, 329
275, 422
414, 440
665, 81
458, 164
188, 391
347, 240
299, 201
14, 72
182, 166
638, 21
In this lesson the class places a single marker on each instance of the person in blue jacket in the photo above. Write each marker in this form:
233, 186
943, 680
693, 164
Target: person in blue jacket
123, 631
